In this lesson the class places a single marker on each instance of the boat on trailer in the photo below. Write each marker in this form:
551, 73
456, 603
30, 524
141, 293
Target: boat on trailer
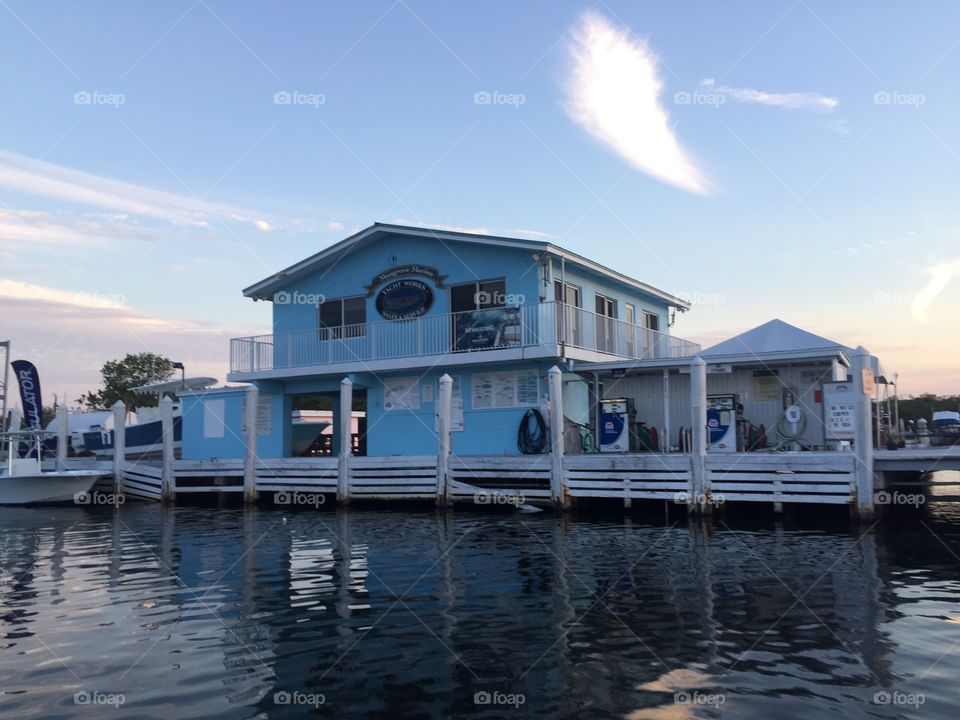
23, 481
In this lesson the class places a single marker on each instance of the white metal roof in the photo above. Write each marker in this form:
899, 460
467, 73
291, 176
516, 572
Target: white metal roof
264, 289
775, 340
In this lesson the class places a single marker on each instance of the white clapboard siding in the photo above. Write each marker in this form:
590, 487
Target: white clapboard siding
502, 473
824, 477
648, 476
141, 480
397, 477
313, 474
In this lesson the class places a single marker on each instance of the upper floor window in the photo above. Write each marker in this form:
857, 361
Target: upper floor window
478, 295
606, 306
343, 317
629, 314
651, 321
568, 294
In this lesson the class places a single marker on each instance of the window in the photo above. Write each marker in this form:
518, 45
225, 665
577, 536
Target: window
343, 318
630, 317
651, 321
606, 324
630, 313
568, 315
478, 295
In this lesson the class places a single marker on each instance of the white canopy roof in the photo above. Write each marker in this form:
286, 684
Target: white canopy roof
774, 340
194, 383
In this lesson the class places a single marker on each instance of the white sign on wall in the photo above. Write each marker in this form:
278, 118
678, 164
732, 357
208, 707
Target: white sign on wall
516, 388
401, 393
839, 410
213, 425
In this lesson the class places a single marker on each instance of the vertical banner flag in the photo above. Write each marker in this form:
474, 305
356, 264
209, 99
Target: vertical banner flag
29, 380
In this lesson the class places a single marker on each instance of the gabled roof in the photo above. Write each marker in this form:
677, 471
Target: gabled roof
264, 289
775, 340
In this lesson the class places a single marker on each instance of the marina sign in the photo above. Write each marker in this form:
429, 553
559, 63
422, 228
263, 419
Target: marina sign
29, 380
427, 271
404, 299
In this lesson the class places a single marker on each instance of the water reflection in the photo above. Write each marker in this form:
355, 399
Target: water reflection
203, 612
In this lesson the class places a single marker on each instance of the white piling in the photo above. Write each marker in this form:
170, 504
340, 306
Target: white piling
346, 441
863, 433
63, 433
665, 439
119, 444
698, 432
444, 440
250, 444
168, 491
558, 495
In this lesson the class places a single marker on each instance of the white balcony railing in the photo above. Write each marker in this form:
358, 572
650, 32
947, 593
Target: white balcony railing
545, 324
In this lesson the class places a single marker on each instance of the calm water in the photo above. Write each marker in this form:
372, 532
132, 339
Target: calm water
203, 612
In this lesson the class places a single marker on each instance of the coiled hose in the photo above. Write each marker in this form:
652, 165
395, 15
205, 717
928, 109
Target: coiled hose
532, 440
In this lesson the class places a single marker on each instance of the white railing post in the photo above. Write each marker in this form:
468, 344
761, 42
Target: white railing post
444, 410
63, 432
698, 433
168, 488
250, 444
346, 441
863, 432
558, 490
119, 444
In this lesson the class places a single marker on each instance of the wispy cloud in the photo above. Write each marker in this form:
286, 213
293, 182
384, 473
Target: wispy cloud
940, 276
22, 174
613, 93
788, 101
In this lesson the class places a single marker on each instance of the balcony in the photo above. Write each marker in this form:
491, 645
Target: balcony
542, 330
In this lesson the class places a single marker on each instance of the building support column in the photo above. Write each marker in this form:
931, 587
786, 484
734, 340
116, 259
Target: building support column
119, 445
63, 433
665, 440
444, 440
168, 483
863, 434
250, 444
558, 486
698, 434
346, 441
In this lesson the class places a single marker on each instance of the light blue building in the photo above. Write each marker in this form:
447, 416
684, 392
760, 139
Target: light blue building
393, 308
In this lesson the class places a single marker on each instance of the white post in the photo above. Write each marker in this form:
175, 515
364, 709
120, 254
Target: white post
63, 432
698, 431
863, 433
16, 420
558, 494
444, 441
665, 440
168, 491
119, 444
250, 444
346, 441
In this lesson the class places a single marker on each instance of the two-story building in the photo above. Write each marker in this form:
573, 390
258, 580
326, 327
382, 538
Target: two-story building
393, 308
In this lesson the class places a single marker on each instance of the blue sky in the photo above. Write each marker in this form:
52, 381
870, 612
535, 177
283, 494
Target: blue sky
767, 159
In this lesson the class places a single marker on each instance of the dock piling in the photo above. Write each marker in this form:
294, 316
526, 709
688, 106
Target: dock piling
698, 435
558, 495
444, 410
346, 441
119, 444
63, 431
168, 492
863, 435
250, 443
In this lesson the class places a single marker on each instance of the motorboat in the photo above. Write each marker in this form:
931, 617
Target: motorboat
23, 481
945, 428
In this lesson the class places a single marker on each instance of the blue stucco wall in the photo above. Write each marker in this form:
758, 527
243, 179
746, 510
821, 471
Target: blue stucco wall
197, 447
592, 283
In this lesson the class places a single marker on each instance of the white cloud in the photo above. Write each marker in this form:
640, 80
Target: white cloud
36, 177
335, 225
940, 277
445, 226
536, 234
614, 94
789, 101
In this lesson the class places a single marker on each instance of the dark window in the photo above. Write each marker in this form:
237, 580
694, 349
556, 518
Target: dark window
651, 321
344, 317
478, 295
606, 324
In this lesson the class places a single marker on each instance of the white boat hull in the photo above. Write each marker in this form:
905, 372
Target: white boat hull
48, 487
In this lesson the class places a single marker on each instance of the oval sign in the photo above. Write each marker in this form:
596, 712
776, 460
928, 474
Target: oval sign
404, 299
